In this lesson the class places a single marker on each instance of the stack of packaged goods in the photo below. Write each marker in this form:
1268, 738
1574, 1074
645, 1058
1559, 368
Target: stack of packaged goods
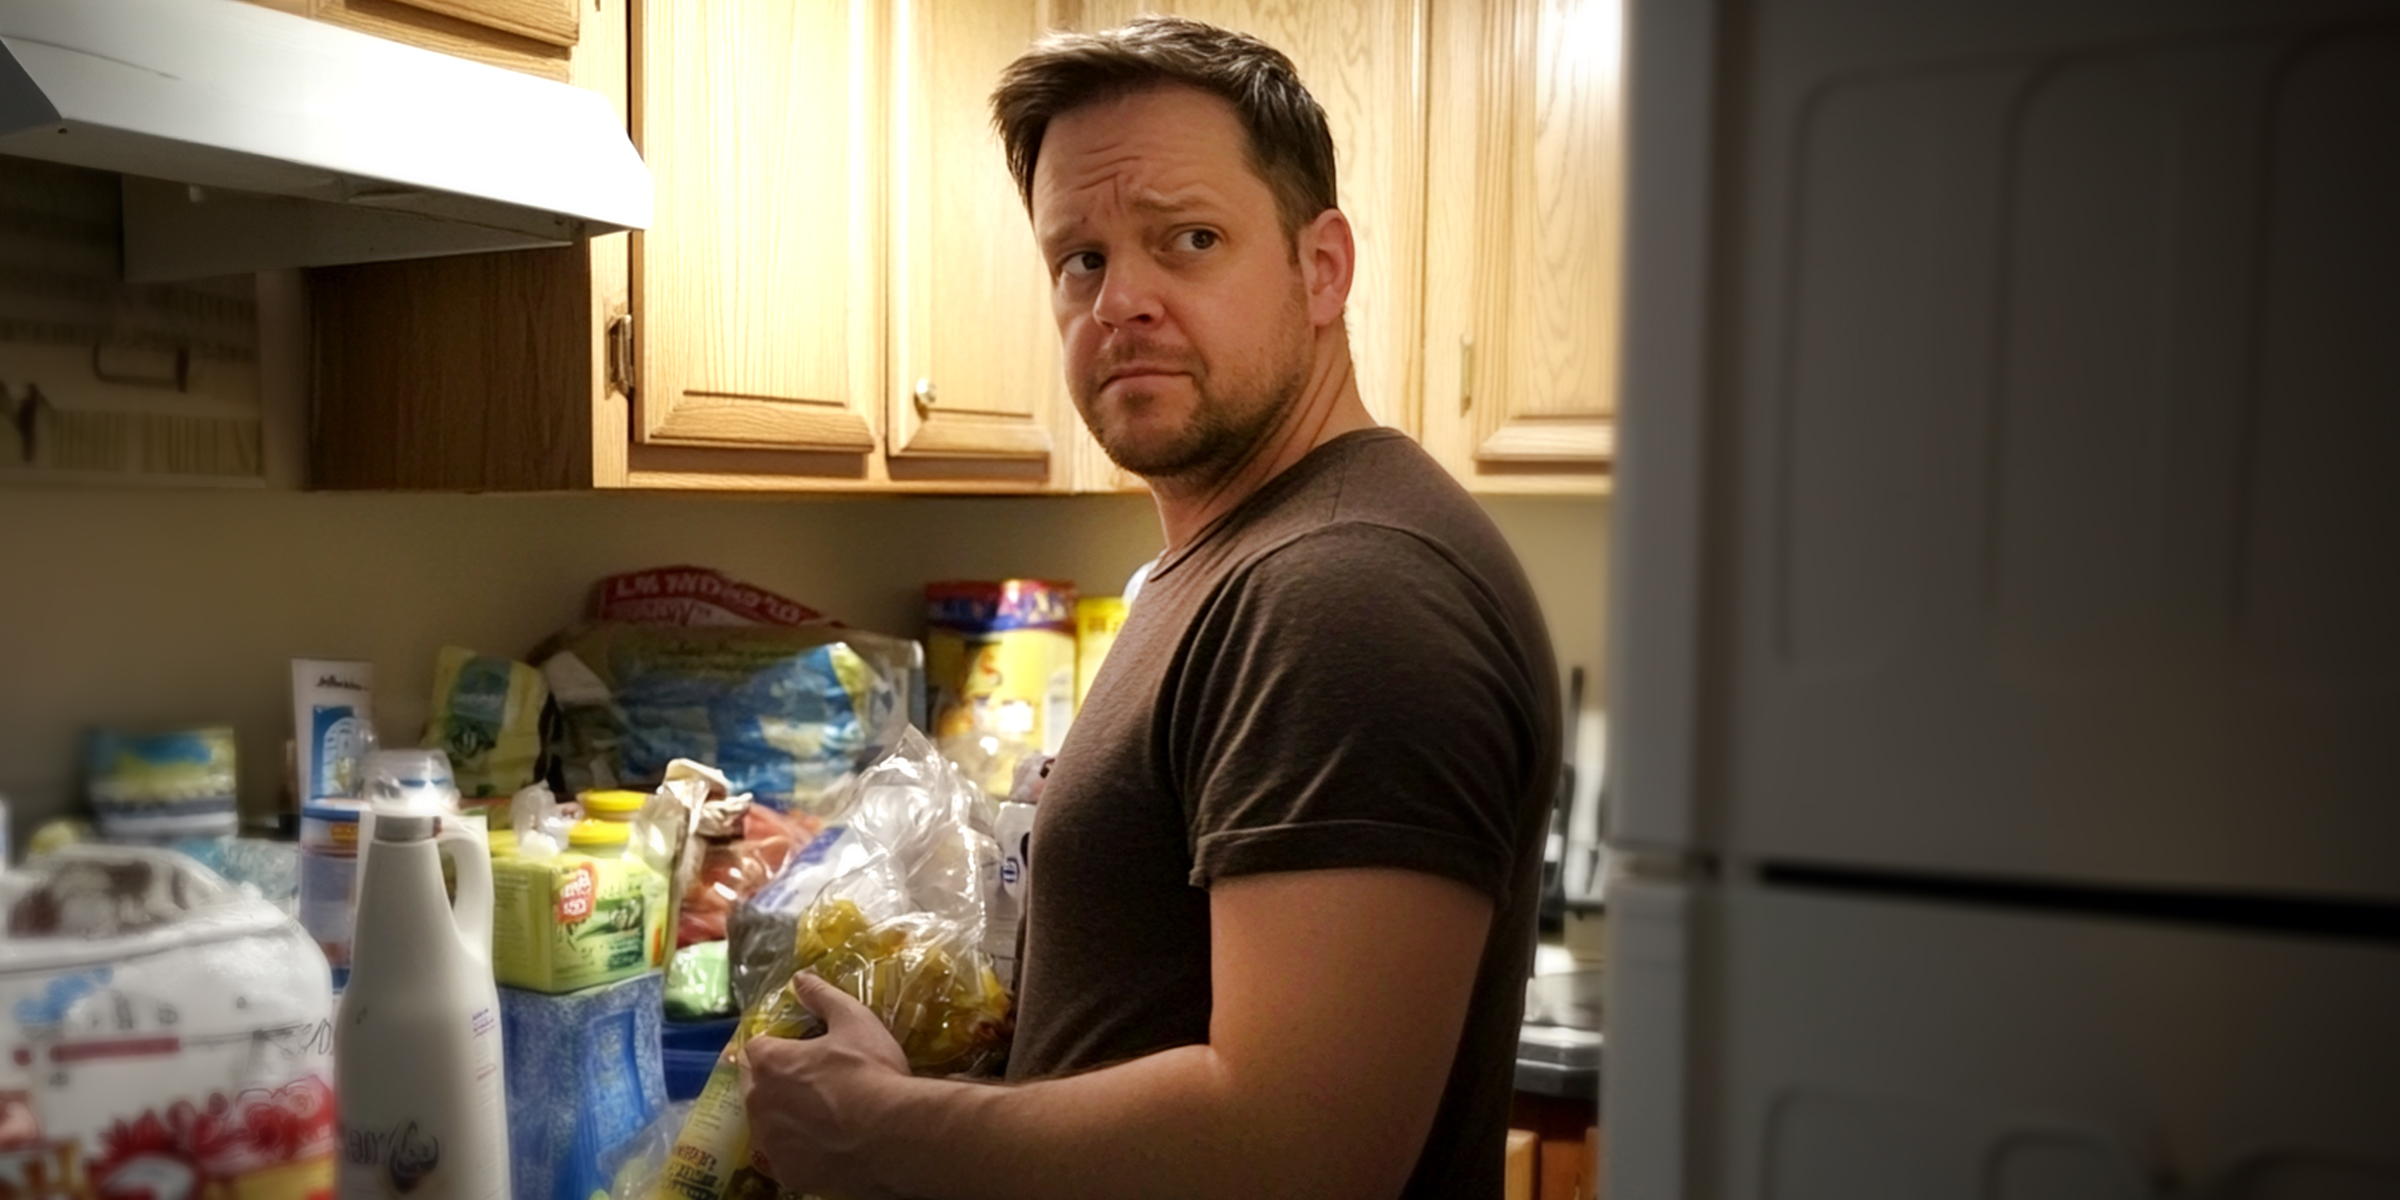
741, 778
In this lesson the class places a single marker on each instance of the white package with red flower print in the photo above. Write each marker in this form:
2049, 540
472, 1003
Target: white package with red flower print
163, 1036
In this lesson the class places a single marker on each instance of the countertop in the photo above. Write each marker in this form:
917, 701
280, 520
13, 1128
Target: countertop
1558, 1049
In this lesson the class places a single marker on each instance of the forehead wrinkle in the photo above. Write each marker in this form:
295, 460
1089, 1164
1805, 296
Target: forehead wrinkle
1132, 166
1112, 188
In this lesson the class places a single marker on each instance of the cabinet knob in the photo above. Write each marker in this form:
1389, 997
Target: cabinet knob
924, 394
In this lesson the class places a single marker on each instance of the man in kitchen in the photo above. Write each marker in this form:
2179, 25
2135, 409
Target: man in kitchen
1288, 857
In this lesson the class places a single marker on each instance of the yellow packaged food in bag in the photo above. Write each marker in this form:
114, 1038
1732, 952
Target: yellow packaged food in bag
902, 934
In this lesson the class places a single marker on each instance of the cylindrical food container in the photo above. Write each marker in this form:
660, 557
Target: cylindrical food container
613, 804
1000, 662
330, 831
1097, 619
158, 787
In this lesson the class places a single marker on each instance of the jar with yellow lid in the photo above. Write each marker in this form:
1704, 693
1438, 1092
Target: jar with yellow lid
591, 915
601, 837
613, 804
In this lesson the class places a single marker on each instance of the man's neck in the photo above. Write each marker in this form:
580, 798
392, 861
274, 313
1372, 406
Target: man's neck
1328, 407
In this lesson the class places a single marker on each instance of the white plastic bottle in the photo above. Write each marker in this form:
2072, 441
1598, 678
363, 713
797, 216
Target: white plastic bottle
417, 1061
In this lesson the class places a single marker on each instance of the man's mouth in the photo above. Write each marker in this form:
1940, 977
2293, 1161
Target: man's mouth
1138, 371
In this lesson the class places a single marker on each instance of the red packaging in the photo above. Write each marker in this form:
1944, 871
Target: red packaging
731, 871
693, 596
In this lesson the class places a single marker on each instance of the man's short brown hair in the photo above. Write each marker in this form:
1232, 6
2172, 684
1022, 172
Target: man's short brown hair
1290, 147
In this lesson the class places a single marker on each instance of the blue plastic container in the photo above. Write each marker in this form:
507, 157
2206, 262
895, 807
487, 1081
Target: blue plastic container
585, 1075
690, 1050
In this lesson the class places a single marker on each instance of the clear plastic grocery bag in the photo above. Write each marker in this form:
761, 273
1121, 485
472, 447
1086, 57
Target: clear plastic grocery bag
901, 931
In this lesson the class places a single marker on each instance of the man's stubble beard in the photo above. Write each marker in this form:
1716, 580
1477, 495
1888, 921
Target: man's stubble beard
1225, 426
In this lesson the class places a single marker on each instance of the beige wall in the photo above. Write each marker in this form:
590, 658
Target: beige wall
137, 608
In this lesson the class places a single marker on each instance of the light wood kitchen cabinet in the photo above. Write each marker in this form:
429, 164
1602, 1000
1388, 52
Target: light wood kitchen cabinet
479, 372
534, 36
1522, 248
834, 227
759, 285
975, 349
840, 290
974, 362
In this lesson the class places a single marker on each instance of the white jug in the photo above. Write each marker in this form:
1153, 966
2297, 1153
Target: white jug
417, 1060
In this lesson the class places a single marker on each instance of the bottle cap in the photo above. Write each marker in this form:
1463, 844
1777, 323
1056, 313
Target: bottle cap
403, 825
614, 804
408, 782
592, 832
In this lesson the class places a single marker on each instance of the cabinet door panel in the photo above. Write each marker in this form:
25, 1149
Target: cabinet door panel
758, 283
974, 349
1545, 277
1522, 247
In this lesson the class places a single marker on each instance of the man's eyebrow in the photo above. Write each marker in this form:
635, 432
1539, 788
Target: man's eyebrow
1050, 237
1171, 206
1151, 204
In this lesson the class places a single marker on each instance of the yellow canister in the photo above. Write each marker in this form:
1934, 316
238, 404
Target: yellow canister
1000, 663
1097, 619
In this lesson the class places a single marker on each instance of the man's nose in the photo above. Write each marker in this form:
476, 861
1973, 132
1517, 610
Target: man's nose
1128, 295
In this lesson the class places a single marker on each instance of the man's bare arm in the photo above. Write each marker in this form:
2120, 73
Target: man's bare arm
1339, 1001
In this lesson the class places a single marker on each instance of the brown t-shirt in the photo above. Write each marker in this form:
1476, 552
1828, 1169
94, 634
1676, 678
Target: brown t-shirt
1348, 670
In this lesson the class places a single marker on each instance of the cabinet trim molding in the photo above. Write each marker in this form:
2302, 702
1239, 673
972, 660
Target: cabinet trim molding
1532, 438
958, 437
760, 421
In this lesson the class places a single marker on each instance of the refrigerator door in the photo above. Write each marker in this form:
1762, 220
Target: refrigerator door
2008, 441
1838, 1048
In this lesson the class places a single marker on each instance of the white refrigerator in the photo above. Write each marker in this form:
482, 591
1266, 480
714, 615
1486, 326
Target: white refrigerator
2005, 652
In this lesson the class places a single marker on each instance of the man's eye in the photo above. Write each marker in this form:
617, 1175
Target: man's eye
1196, 239
1082, 262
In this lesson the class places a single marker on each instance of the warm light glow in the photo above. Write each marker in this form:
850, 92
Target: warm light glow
1593, 32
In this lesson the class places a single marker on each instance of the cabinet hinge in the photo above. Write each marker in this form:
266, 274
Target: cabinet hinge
620, 353
1466, 374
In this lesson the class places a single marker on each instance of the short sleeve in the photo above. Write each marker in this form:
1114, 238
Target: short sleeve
1354, 699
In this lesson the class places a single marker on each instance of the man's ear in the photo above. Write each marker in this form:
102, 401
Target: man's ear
1328, 262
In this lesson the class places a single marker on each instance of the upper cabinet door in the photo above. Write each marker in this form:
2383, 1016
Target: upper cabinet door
759, 284
1525, 188
974, 363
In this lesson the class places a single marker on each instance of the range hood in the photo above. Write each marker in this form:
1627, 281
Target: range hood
251, 139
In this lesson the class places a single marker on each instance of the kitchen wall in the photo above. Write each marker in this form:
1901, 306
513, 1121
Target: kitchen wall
138, 607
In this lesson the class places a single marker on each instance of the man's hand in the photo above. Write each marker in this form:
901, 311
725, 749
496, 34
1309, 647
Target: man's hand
1339, 1000
813, 1102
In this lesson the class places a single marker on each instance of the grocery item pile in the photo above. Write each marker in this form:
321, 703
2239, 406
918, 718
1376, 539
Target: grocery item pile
671, 808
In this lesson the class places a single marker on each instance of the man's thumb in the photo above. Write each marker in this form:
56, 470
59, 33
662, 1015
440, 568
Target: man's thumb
827, 1003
